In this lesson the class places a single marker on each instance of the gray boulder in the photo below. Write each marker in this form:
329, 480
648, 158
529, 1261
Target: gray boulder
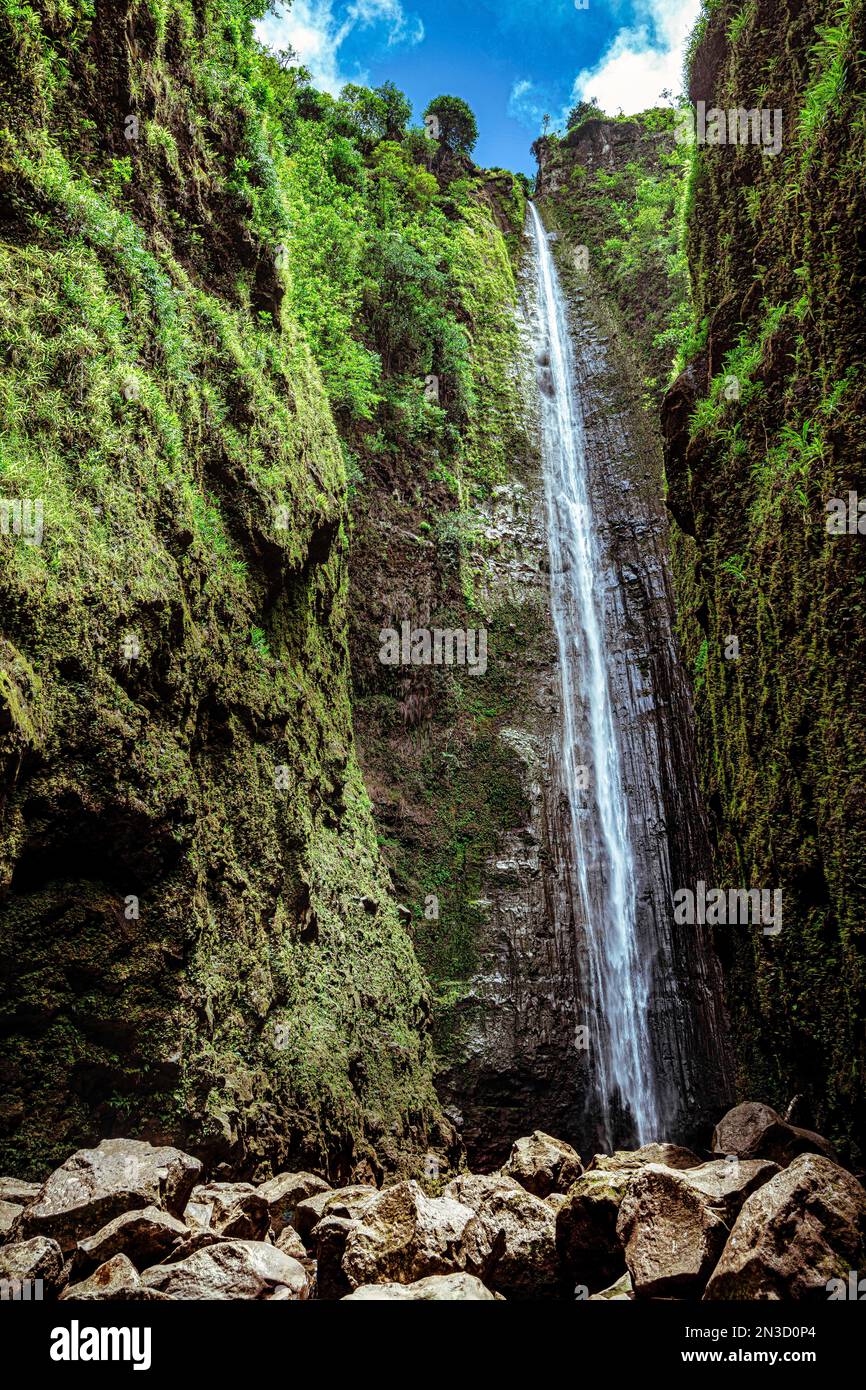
348, 1202
437, 1288
587, 1245
145, 1236
795, 1235
230, 1269
95, 1185
673, 1223
116, 1278
542, 1164
403, 1236
37, 1258
515, 1252
284, 1192
233, 1209
753, 1130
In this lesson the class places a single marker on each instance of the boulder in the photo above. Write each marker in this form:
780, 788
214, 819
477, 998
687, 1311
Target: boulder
37, 1258
586, 1241
543, 1164
291, 1244
437, 1288
673, 1223
16, 1190
620, 1292
752, 1130
517, 1254
629, 1161
95, 1185
329, 1241
801, 1230
284, 1192
234, 1209
348, 1202
403, 1236
9, 1213
146, 1236
117, 1277
230, 1269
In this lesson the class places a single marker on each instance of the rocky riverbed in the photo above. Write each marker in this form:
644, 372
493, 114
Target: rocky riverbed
769, 1214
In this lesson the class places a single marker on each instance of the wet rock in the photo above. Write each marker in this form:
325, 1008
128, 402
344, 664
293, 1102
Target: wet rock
403, 1236
37, 1258
516, 1255
9, 1213
437, 1288
230, 1269
621, 1291
234, 1209
673, 1223
95, 1185
145, 1236
630, 1161
285, 1191
16, 1190
343, 1201
753, 1130
542, 1164
802, 1229
586, 1241
116, 1275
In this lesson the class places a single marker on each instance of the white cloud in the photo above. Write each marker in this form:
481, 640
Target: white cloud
317, 30
644, 59
526, 103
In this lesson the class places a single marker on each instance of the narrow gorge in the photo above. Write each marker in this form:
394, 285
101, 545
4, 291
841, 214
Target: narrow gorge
415, 584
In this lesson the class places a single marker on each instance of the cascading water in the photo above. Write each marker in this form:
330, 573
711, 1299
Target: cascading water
602, 870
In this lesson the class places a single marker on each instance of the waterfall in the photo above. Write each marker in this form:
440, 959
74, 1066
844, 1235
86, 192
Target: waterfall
600, 858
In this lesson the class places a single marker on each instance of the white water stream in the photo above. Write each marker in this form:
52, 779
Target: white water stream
603, 890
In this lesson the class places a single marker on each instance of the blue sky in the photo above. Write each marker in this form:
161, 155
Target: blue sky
512, 60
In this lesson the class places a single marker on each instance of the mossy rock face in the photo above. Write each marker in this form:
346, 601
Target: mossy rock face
197, 938
764, 429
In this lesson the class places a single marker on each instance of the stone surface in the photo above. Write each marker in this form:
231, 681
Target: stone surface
803, 1228
146, 1236
37, 1258
291, 1244
629, 1161
9, 1213
234, 1209
403, 1236
437, 1288
586, 1241
343, 1201
230, 1269
16, 1190
116, 1275
673, 1223
543, 1164
753, 1130
285, 1191
516, 1256
95, 1185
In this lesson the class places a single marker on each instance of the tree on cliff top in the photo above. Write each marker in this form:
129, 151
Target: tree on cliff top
583, 112
381, 113
458, 128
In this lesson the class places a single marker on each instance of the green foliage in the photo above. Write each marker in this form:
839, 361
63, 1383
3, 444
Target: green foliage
584, 111
458, 128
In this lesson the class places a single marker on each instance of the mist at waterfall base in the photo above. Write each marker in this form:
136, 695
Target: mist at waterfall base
601, 864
